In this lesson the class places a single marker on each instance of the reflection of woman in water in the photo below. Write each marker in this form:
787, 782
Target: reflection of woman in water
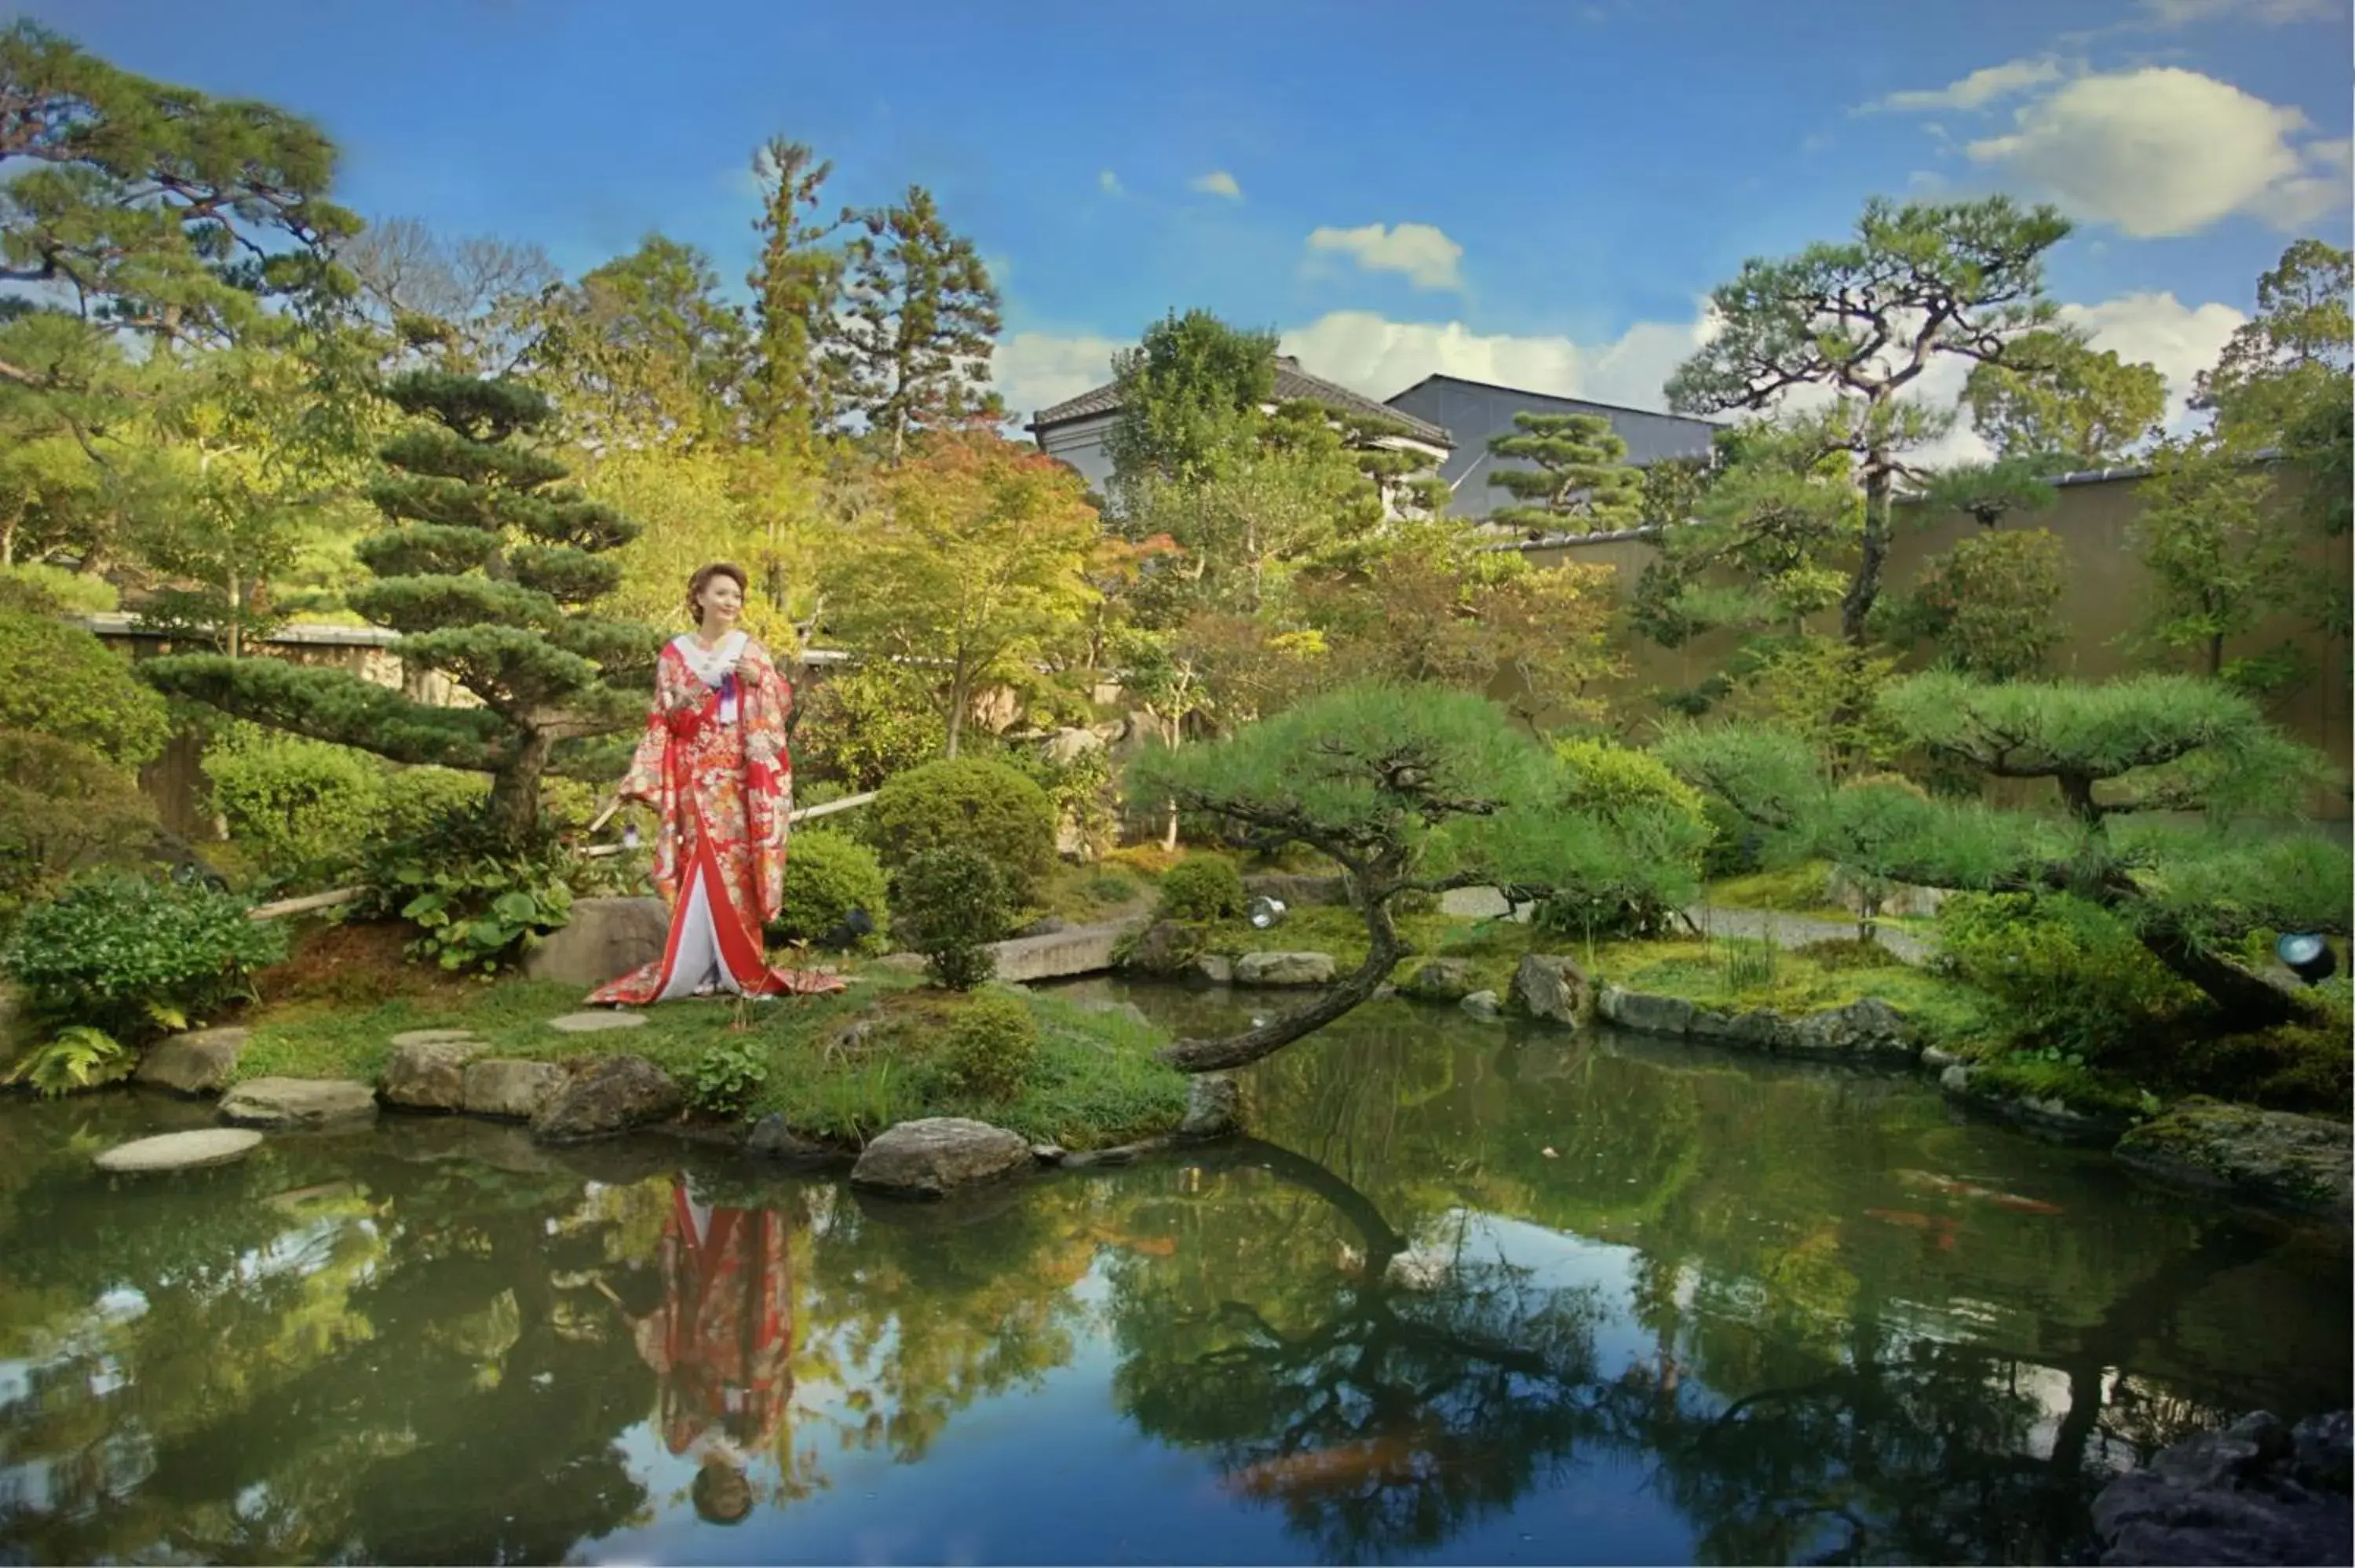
722, 1343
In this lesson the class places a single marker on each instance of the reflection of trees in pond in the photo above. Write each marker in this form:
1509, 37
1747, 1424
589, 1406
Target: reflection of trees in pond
250, 1374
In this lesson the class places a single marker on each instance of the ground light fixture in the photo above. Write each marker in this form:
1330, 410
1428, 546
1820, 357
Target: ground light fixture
2307, 956
1264, 913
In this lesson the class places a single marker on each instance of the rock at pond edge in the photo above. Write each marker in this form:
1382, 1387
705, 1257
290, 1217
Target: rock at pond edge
299, 1103
504, 1088
2280, 1159
199, 1063
1213, 1107
427, 1073
1551, 987
2257, 1491
933, 1156
602, 1095
1284, 969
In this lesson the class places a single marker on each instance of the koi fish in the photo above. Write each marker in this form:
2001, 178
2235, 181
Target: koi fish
1953, 1189
1919, 1222
1149, 1246
1381, 1459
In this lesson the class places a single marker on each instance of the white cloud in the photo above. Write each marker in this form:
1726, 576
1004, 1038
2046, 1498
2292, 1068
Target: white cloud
2172, 14
1975, 90
1034, 370
2165, 151
1109, 182
2159, 329
1427, 256
1217, 183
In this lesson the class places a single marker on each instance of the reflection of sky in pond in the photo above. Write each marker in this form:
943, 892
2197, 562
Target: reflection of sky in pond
1724, 1300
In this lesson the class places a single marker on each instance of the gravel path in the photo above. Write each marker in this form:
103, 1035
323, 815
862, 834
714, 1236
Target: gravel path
1798, 930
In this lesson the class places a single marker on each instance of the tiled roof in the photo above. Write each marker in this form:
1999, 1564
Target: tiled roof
1292, 384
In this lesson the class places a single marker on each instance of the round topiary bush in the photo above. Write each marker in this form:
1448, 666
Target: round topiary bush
990, 1046
58, 680
953, 902
1202, 887
827, 875
968, 802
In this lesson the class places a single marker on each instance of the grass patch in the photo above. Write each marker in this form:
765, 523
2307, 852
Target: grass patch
1086, 894
1950, 1013
1787, 890
1095, 1080
2085, 1090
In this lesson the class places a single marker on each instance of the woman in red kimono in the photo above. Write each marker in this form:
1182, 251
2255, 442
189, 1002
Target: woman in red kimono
713, 764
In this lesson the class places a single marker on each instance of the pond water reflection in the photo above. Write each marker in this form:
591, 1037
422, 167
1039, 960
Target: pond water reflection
1471, 1295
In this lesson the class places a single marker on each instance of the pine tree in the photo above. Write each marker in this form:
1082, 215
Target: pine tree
488, 574
1581, 483
794, 288
911, 352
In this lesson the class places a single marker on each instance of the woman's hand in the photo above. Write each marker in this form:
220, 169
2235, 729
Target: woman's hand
748, 671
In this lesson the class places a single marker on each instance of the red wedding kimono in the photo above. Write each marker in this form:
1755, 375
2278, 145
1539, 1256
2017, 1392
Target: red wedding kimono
722, 1342
713, 764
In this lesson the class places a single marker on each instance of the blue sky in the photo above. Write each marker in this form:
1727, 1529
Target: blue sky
1534, 193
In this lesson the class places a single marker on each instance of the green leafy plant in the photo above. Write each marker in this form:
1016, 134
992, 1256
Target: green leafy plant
1202, 887
2071, 975
478, 896
990, 1046
58, 680
1749, 966
417, 798
80, 1057
726, 1074
870, 724
968, 802
1080, 789
953, 902
129, 954
63, 808
827, 875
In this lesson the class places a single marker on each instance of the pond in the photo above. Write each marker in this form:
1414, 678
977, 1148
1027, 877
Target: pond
1473, 1294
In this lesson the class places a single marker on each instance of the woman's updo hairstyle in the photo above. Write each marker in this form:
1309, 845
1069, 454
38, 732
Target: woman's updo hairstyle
702, 579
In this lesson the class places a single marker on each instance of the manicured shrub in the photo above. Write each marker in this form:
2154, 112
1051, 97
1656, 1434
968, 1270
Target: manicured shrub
827, 875
58, 680
990, 1046
292, 803
1659, 824
136, 956
968, 802
417, 798
952, 903
2069, 973
63, 808
868, 725
1202, 887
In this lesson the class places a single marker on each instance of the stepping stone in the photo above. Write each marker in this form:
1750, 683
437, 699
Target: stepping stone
299, 1103
432, 1037
181, 1151
595, 1022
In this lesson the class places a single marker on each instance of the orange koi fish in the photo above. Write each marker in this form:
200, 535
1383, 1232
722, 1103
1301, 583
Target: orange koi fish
1953, 1189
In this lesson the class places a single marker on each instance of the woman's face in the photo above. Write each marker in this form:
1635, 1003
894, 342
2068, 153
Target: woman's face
722, 601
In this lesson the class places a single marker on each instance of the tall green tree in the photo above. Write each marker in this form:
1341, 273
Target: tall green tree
2052, 397
643, 350
1191, 393
488, 572
1579, 481
2222, 559
910, 350
2292, 355
1864, 319
795, 285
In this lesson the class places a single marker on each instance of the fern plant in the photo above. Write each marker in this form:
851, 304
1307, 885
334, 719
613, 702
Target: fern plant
80, 1057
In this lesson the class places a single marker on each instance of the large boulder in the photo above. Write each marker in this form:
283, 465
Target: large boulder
502, 1086
2258, 1491
1165, 948
1284, 969
2278, 1159
605, 1095
1551, 987
198, 1063
937, 1155
302, 1105
1645, 1015
1213, 1107
1440, 979
429, 1074
771, 1138
604, 939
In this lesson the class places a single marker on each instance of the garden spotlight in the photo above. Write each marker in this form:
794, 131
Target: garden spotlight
2307, 956
1265, 913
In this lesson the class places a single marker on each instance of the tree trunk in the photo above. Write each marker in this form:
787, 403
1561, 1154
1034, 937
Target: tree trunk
514, 805
957, 703
235, 619
2215, 656
2249, 999
1872, 548
1239, 1050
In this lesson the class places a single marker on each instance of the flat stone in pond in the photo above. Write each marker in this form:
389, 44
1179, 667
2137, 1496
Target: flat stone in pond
181, 1151
299, 1103
596, 1021
196, 1064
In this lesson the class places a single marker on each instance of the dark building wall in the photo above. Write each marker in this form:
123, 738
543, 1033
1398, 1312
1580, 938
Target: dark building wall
1473, 411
